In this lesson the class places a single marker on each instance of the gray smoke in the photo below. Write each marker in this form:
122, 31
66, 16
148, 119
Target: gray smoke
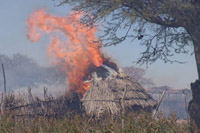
22, 71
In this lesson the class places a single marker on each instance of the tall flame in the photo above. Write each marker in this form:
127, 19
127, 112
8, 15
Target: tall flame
76, 53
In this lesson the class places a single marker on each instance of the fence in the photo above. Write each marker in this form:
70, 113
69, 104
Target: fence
48, 106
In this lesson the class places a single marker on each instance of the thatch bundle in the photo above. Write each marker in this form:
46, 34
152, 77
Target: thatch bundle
111, 91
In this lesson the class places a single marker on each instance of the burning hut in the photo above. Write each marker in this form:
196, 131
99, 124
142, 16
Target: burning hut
103, 86
111, 90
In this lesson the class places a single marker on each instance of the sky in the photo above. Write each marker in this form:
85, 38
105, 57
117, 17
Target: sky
13, 15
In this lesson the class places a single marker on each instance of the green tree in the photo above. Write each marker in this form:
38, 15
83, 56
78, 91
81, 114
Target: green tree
164, 27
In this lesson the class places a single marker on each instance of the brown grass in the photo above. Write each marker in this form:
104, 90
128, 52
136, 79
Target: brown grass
75, 123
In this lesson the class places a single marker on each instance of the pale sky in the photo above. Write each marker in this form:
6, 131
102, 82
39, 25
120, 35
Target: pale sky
13, 14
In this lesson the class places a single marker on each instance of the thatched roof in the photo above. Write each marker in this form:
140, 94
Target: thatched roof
106, 93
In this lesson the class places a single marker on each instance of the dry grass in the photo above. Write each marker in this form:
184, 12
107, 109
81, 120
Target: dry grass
74, 123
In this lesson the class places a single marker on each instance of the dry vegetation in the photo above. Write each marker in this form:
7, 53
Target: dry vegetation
49, 114
71, 123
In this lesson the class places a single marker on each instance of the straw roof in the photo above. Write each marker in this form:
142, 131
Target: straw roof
106, 93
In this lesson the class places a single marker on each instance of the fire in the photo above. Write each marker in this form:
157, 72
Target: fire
75, 53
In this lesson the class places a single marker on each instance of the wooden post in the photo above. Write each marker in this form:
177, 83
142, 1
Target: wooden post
123, 108
45, 93
4, 78
2, 104
163, 94
185, 100
30, 96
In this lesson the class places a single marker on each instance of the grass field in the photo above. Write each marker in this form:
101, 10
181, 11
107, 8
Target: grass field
74, 123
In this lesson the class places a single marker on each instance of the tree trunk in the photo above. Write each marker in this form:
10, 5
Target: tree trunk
197, 54
194, 104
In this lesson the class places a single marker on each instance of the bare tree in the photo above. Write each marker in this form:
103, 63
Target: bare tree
138, 75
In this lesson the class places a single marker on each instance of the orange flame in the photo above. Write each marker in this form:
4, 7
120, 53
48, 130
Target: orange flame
74, 54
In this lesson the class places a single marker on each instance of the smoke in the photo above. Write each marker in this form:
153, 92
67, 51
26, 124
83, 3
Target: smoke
22, 71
